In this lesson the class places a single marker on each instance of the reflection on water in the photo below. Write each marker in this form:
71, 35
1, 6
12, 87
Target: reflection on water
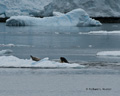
54, 42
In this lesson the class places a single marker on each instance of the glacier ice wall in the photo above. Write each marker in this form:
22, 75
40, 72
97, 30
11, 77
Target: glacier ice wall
22, 7
95, 8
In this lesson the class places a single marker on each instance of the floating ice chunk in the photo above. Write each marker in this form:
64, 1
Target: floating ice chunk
101, 33
12, 61
45, 7
89, 46
104, 32
108, 53
7, 45
57, 33
77, 17
13, 45
6, 52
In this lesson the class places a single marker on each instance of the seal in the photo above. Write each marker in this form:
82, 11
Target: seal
63, 60
35, 58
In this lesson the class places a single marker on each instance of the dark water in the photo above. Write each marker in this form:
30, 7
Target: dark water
54, 42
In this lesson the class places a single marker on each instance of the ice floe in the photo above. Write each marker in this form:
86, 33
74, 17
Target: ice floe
12, 61
14, 45
101, 32
104, 32
77, 17
108, 53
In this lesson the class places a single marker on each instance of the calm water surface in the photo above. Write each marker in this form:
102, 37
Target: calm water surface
58, 82
54, 42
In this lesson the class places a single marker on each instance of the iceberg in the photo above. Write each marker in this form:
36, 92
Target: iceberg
77, 17
14, 45
12, 61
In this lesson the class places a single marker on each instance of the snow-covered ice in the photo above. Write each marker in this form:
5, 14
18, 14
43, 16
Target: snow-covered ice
77, 17
12, 61
108, 53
